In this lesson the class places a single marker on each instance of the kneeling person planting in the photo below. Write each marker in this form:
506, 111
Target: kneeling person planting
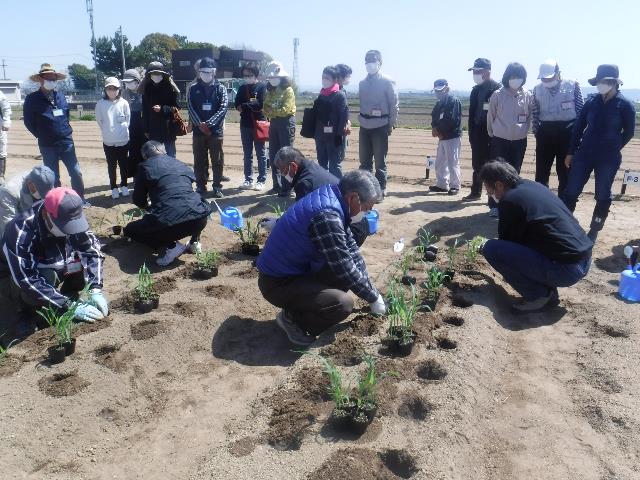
541, 245
311, 260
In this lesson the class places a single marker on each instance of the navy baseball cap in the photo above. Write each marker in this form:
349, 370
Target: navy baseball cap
440, 84
206, 63
64, 207
481, 64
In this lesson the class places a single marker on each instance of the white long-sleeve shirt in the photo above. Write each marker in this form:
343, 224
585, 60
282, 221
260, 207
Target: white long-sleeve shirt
114, 117
5, 111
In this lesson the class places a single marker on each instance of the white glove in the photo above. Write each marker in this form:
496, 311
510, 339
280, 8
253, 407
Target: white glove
378, 307
268, 223
99, 301
87, 313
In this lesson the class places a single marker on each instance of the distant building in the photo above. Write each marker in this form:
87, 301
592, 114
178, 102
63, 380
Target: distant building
11, 90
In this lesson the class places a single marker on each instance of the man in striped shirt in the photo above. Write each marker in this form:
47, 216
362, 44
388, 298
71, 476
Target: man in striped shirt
556, 105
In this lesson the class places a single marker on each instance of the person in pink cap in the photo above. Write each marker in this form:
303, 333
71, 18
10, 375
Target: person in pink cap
52, 255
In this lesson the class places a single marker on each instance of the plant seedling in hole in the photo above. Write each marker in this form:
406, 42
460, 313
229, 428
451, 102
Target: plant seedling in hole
278, 211
62, 324
338, 393
452, 253
3, 350
144, 289
433, 284
402, 313
426, 242
473, 249
249, 237
208, 259
406, 262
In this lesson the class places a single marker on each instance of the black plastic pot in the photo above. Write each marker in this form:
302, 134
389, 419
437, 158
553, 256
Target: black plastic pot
144, 305
155, 299
204, 273
340, 417
358, 423
449, 274
70, 347
408, 280
369, 410
117, 229
56, 354
399, 344
429, 256
432, 248
250, 249
429, 305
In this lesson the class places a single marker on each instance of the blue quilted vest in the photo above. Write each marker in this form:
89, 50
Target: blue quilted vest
289, 250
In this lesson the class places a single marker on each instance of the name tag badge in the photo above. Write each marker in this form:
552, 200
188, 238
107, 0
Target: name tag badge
206, 107
485, 106
441, 115
567, 105
522, 118
328, 129
376, 112
58, 112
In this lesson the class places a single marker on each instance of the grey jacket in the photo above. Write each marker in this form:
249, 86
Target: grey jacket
378, 101
509, 115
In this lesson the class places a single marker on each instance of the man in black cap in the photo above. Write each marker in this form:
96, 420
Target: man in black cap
478, 135
606, 124
52, 256
207, 108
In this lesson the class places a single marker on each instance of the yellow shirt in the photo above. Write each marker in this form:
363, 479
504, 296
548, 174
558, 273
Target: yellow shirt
280, 102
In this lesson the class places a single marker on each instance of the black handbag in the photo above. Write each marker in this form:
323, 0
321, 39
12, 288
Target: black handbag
308, 129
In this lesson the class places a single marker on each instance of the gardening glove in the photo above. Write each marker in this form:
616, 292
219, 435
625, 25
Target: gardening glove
99, 301
268, 223
87, 313
378, 307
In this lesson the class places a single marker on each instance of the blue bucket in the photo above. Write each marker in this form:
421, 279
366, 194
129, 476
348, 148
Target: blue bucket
231, 218
630, 285
372, 218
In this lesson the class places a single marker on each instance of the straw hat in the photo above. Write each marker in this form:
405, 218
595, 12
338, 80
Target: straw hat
44, 69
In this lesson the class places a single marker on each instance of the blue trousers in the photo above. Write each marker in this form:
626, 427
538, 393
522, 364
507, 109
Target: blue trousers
605, 167
170, 147
330, 155
248, 144
65, 151
530, 273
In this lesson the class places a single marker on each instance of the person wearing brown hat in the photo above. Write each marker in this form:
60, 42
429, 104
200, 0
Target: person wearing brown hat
159, 97
46, 116
605, 125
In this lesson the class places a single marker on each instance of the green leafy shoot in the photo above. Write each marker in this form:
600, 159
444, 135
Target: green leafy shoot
434, 281
339, 394
402, 311
425, 238
144, 289
278, 210
473, 249
452, 253
208, 259
61, 322
249, 234
368, 382
3, 350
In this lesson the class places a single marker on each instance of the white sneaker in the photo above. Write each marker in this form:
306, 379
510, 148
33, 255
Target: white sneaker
124, 191
85, 204
259, 186
115, 193
171, 254
247, 185
493, 212
195, 247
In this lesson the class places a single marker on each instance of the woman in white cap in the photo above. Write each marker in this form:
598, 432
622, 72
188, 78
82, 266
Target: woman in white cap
280, 107
159, 97
113, 116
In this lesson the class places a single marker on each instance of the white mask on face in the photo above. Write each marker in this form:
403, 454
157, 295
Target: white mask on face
274, 82
477, 78
250, 80
112, 94
206, 77
346, 81
49, 85
550, 84
36, 195
515, 83
372, 67
326, 83
604, 88
156, 78
131, 85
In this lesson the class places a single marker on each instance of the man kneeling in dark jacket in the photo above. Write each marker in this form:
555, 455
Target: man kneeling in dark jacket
305, 176
164, 188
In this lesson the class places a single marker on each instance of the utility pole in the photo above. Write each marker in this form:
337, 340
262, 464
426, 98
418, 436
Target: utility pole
93, 41
4, 72
296, 67
124, 66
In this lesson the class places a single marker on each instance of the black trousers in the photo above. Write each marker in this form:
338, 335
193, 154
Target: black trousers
117, 157
552, 143
480, 142
511, 150
150, 232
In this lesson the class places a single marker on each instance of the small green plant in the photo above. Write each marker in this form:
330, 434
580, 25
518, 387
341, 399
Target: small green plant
3, 350
277, 209
339, 394
61, 322
425, 238
368, 383
402, 312
249, 234
144, 289
406, 262
452, 253
434, 281
473, 249
208, 259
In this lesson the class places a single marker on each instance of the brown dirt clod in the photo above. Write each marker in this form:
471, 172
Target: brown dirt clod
111, 357
399, 462
365, 325
431, 370
220, 291
290, 419
164, 284
145, 330
184, 309
415, 407
353, 463
62, 384
347, 350
243, 447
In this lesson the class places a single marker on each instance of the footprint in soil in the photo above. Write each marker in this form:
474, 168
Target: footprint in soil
63, 384
110, 415
111, 357
400, 462
453, 320
220, 291
145, 329
346, 350
431, 370
365, 325
414, 407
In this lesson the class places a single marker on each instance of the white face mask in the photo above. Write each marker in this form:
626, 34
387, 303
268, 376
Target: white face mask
326, 83
604, 88
131, 85
36, 195
112, 94
550, 84
156, 78
49, 85
440, 95
515, 83
346, 81
274, 82
250, 80
477, 78
372, 67
206, 77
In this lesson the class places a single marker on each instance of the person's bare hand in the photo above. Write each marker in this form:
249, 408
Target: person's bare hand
156, 108
567, 161
204, 128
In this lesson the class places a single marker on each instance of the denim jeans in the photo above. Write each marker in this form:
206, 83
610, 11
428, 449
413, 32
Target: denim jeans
248, 144
65, 151
170, 147
329, 155
529, 272
374, 144
282, 133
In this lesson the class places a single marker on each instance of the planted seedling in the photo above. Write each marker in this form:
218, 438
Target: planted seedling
433, 284
3, 350
452, 254
473, 249
146, 298
63, 325
426, 245
249, 238
406, 262
277, 209
206, 264
402, 311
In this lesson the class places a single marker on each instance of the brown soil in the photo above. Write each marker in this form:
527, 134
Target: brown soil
113, 358
243, 447
185, 309
453, 320
10, 365
248, 273
290, 419
357, 464
220, 291
145, 330
365, 325
164, 284
430, 370
313, 384
63, 384
414, 406
346, 350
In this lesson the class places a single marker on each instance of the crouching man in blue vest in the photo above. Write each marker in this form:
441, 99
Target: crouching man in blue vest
311, 260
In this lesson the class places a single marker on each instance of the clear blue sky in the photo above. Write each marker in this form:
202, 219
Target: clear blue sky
420, 40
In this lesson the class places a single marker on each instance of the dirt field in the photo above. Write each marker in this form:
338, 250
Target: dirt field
207, 386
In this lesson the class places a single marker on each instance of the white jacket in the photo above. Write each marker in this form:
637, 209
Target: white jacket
5, 111
14, 198
113, 116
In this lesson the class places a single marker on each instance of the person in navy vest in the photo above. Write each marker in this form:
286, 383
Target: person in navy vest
207, 108
605, 125
311, 260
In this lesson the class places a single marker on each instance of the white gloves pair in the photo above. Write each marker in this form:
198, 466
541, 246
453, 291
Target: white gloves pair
378, 307
95, 309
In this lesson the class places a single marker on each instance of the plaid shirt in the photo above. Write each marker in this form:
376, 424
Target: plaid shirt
338, 247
